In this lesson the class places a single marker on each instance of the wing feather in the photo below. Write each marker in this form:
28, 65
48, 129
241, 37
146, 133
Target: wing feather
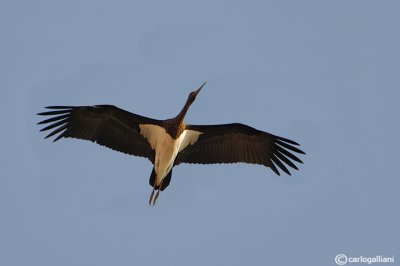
235, 143
106, 125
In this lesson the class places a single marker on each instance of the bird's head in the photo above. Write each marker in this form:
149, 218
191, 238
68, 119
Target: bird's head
193, 94
191, 98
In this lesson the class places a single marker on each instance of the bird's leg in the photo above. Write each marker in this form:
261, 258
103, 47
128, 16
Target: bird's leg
151, 196
156, 197
158, 193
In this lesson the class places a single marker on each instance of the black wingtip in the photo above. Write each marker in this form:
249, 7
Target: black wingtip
273, 167
279, 164
287, 140
58, 137
291, 142
58, 112
59, 107
288, 146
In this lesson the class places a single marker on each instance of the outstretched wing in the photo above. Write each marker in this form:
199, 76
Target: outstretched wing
234, 143
106, 125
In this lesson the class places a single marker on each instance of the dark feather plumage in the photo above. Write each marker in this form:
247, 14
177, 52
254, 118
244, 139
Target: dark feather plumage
106, 125
234, 143
120, 130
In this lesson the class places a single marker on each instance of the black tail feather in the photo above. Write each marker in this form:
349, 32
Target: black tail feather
152, 177
165, 182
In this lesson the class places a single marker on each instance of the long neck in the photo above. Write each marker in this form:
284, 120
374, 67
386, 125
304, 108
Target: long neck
184, 110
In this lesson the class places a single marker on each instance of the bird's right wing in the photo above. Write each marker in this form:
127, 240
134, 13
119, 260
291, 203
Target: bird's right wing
234, 143
106, 125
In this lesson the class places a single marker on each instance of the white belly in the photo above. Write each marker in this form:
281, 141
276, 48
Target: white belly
166, 151
166, 148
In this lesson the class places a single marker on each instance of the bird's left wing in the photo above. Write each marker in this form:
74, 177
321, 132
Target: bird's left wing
106, 125
234, 143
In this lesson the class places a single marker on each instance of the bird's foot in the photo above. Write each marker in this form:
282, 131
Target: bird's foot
151, 197
151, 201
156, 197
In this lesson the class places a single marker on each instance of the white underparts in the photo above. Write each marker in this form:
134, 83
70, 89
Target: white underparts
166, 148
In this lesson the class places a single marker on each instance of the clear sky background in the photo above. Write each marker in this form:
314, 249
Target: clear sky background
323, 73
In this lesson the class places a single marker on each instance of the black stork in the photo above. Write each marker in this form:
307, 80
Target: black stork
170, 142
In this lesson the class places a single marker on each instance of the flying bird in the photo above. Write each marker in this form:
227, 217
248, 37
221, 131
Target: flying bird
170, 142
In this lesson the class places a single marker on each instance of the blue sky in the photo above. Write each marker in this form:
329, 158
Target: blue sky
323, 73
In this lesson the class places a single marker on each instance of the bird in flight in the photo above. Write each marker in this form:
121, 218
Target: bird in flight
170, 142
